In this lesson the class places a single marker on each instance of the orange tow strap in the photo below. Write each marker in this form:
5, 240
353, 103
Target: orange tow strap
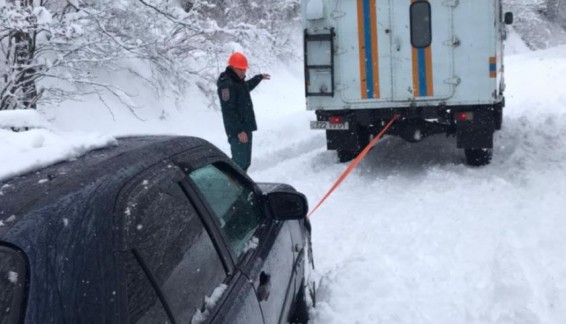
354, 163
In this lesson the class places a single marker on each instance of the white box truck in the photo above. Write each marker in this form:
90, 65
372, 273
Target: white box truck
438, 64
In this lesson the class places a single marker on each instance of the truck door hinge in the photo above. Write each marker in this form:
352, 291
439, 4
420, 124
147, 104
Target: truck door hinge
454, 42
453, 81
451, 3
337, 14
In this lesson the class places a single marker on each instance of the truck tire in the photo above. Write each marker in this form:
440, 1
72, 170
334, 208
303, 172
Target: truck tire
478, 156
346, 156
498, 118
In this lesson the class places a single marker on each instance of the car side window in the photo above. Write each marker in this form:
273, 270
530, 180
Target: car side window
233, 202
144, 305
12, 285
168, 239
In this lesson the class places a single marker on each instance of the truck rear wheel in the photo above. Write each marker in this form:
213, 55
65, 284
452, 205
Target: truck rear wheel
478, 156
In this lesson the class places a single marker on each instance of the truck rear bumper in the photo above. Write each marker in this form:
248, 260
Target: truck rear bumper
414, 124
366, 117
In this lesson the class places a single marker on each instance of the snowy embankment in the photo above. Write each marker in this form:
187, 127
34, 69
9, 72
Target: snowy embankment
413, 235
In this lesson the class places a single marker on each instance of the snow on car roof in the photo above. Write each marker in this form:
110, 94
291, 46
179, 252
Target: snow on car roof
28, 143
21, 193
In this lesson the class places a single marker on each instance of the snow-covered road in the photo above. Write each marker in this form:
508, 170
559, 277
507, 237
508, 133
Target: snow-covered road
416, 236
413, 235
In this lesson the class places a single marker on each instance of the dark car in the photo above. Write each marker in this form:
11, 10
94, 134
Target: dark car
153, 230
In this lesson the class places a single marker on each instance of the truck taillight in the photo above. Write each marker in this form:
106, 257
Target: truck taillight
464, 116
336, 119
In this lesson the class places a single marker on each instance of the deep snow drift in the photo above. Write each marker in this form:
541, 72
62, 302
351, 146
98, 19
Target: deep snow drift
413, 235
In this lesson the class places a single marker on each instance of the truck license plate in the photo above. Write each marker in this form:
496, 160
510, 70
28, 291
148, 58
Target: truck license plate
329, 125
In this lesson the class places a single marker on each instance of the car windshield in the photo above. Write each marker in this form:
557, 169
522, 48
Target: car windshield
12, 279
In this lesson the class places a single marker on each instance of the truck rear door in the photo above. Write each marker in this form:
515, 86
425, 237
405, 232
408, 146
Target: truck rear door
396, 50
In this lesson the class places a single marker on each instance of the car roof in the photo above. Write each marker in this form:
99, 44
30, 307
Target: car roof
62, 218
23, 194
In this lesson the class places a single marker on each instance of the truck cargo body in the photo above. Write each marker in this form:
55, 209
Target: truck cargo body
438, 64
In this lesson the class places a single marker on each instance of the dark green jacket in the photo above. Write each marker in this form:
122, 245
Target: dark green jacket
236, 102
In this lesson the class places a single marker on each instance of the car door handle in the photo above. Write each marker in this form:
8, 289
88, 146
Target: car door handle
264, 286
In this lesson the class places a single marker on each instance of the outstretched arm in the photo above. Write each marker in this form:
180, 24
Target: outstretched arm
253, 82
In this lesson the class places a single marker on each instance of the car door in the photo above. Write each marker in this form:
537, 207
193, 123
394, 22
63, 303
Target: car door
173, 270
261, 247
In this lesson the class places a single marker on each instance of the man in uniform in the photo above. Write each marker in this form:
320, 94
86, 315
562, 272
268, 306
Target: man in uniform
237, 107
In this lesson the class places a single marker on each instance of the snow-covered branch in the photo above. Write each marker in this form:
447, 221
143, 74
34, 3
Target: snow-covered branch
182, 41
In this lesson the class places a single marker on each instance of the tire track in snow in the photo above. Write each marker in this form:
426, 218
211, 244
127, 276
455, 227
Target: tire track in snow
271, 159
436, 225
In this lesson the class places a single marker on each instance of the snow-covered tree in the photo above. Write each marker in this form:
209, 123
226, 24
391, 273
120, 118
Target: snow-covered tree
541, 23
51, 50
18, 34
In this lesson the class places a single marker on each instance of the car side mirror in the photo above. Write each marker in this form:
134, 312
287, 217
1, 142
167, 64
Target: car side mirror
508, 19
285, 205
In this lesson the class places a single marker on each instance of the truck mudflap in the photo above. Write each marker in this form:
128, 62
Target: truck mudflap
475, 130
354, 139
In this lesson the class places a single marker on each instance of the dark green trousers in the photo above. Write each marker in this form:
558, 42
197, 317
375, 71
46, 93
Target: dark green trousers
241, 152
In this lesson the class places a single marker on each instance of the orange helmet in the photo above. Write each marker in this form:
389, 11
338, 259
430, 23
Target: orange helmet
238, 60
